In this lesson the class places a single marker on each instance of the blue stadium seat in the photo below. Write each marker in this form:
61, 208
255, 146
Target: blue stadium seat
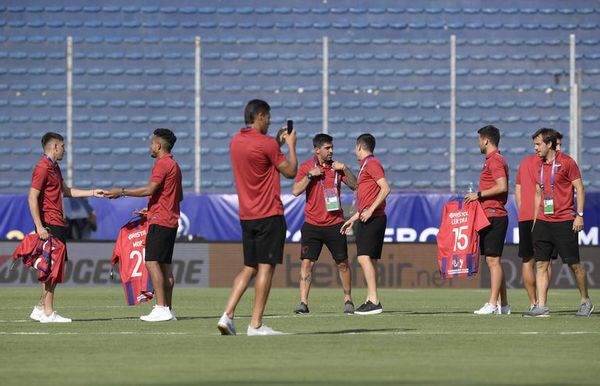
21, 150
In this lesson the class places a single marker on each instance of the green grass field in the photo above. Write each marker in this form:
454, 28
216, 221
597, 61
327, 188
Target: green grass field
423, 337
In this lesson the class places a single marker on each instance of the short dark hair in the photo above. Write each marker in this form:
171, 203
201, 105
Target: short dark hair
490, 133
166, 135
366, 141
549, 136
321, 139
253, 108
49, 136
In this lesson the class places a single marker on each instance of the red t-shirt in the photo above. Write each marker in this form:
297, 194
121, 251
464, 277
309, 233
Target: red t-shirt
130, 253
254, 157
47, 256
494, 167
458, 238
528, 168
163, 205
565, 172
315, 210
370, 172
47, 178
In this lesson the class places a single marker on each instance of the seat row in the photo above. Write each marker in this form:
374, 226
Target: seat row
282, 25
300, 89
263, 10
271, 41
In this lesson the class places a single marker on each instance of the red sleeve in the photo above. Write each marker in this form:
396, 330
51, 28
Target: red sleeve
39, 177
302, 170
117, 251
573, 172
159, 173
273, 151
480, 220
344, 178
375, 170
497, 169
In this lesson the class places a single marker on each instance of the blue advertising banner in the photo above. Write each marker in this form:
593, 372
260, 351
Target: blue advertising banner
412, 217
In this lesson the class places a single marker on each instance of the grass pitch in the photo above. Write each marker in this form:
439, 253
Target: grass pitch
423, 337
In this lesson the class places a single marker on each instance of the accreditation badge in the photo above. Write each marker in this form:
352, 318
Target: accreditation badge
548, 205
332, 202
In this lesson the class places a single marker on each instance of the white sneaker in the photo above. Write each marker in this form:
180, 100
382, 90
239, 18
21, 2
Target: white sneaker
504, 310
226, 325
37, 314
158, 314
487, 309
54, 318
263, 330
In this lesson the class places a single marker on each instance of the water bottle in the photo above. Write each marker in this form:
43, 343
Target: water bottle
470, 189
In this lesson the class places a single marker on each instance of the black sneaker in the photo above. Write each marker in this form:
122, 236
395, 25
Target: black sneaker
348, 307
369, 308
302, 309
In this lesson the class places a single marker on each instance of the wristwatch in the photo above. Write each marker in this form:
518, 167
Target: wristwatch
580, 214
309, 176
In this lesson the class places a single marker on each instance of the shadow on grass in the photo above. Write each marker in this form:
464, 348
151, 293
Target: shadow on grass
440, 312
357, 331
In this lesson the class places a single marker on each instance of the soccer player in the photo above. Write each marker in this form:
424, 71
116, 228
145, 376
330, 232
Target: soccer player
166, 192
257, 161
558, 222
321, 178
371, 192
46, 207
492, 194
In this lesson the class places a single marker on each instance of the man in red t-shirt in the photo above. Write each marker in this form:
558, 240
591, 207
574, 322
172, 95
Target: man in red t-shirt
524, 198
492, 194
558, 222
321, 178
257, 161
165, 192
45, 205
371, 192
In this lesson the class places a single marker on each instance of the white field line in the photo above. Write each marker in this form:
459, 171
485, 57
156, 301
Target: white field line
407, 333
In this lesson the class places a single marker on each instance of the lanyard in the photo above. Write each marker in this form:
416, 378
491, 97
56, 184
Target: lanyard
322, 181
363, 166
551, 176
355, 196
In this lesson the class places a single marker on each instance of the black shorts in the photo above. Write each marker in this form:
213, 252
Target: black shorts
263, 240
60, 233
314, 236
491, 239
526, 240
160, 242
548, 236
369, 237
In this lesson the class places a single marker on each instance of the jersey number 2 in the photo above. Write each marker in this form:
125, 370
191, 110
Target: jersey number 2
140, 256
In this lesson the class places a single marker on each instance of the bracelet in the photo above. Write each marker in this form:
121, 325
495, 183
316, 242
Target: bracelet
122, 191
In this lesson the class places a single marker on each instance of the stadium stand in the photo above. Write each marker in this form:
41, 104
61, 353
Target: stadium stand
388, 74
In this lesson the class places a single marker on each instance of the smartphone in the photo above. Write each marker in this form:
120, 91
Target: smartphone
290, 126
